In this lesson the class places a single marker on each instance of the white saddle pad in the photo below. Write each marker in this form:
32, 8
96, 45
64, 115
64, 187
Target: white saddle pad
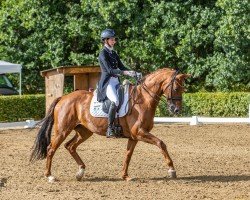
96, 107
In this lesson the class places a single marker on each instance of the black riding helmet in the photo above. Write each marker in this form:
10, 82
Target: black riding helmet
107, 33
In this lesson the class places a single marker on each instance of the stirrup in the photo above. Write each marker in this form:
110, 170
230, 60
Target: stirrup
111, 132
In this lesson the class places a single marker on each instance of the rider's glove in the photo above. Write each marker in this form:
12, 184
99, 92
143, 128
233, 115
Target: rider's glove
130, 73
139, 75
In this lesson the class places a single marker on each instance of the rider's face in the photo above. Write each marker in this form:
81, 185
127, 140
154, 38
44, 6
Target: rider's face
111, 42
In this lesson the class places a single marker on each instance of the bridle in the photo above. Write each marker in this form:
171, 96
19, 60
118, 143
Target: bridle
171, 85
155, 97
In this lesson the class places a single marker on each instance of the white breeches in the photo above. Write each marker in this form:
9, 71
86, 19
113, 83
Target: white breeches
111, 90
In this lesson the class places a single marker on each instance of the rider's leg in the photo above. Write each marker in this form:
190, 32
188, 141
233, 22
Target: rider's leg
112, 95
111, 119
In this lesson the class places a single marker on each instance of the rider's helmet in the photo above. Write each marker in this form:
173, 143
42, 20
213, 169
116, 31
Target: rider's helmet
107, 33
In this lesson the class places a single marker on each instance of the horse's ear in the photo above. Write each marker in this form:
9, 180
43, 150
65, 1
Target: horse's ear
187, 76
183, 76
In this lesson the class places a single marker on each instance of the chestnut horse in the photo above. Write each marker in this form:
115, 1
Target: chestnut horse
72, 112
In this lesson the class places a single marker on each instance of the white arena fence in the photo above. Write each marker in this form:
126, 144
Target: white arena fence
194, 120
12, 125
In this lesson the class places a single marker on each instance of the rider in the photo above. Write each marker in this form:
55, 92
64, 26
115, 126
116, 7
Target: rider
112, 68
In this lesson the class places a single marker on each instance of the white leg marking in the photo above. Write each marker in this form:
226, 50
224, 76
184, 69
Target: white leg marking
51, 179
80, 174
172, 173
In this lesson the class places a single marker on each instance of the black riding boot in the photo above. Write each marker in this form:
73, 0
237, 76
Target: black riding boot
111, 118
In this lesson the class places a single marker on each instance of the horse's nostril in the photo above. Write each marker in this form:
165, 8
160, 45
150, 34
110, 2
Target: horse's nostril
176, 110
172, 108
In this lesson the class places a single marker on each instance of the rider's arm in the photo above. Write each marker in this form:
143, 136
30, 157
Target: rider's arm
121, 65
106, 65
125, 70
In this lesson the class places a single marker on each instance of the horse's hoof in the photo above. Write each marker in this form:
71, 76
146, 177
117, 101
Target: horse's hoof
172, 173
127, 178
51, 179
79, 174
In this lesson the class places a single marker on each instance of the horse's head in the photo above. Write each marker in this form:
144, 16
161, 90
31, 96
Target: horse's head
172, 89
165, 82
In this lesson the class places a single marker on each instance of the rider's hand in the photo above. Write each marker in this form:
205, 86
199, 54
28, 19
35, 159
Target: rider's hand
139, 75
130, 73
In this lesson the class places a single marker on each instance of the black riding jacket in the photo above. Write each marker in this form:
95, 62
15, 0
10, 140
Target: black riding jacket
111, 66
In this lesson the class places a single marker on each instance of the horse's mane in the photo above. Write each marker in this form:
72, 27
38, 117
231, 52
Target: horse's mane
158, 71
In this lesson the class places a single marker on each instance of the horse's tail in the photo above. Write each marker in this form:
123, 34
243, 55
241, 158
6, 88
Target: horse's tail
39, 150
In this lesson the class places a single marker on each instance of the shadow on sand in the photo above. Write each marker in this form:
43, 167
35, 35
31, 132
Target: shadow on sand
219, 178
102, 179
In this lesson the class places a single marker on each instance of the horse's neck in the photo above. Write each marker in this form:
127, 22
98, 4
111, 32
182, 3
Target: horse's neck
152, 87
148, 94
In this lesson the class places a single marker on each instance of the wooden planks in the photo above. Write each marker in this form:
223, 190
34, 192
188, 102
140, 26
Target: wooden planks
54, 88
85, 78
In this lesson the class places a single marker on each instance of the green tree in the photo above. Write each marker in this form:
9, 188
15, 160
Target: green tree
33, 33
208, 39
230, 61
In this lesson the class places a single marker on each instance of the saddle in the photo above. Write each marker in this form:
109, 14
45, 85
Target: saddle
100, 109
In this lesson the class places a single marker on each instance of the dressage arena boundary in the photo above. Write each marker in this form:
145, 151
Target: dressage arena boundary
25, 124
194, 120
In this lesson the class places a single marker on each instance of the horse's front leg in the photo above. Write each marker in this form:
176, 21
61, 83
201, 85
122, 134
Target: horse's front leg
149, 138
130, 149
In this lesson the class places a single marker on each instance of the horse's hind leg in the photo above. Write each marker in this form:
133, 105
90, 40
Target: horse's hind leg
149, 138
56, 141
82, 134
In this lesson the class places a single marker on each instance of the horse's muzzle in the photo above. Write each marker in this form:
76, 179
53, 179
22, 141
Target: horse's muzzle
176, 110
173, 109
